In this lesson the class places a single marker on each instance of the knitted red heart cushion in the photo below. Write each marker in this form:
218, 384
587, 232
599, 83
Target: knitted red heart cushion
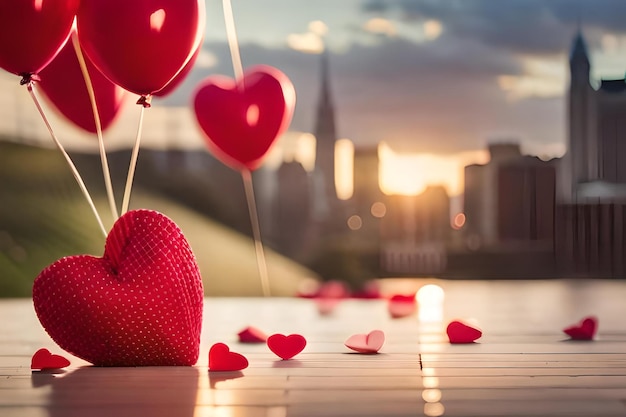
139, 304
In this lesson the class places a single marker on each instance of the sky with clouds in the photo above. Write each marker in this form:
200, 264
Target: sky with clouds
436, 76
426, 77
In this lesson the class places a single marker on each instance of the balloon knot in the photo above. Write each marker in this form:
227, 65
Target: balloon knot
145, 101
28, 77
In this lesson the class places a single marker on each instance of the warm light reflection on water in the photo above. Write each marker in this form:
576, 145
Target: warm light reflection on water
431, 395
430, 299
434, 409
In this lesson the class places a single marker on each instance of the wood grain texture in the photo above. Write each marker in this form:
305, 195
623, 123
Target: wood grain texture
522, 366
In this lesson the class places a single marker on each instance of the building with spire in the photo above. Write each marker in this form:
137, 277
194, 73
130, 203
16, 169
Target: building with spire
325, 193
590, 219
593, 167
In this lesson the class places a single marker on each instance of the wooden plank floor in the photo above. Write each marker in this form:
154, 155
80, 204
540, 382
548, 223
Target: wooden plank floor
522, 366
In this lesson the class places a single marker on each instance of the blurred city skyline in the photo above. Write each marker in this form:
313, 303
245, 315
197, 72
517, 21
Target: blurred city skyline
433, 81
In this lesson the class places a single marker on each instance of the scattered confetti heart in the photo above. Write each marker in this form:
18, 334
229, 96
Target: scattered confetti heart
402, 305
459, 332
223, 360
286, 347
326, 306
43, 359
140, 304
366, 343
585, 330
252, 335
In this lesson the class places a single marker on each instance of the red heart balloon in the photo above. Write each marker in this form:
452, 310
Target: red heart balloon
142, 44
32, 32
222, 359
139, 304
242, 119
63, 83
585, 330
286, 347
459, 332
43, 359
180, 77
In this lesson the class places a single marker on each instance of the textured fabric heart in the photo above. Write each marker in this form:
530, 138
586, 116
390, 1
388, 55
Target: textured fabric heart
242, 119
286, 347
43, 359
585, 330
139, 304
366, 343
459, 332
223, 360
252, 335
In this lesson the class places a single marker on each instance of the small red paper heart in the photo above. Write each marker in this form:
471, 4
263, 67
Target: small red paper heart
585, 330
286, 347
402, 305
43, 359
459, 332
223, 360
366, 343
242, 119
140, 304
252, 335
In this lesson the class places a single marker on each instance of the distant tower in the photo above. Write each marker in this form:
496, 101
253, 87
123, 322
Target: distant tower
325, 136
582, 152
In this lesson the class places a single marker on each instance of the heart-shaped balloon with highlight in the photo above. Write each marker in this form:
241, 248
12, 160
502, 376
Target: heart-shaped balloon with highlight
43, 359
140, 45
460, 332
221, 359
286, 347
366, 343
180, 77
32, 32
585, 330
63, 83
140, 304
243, 119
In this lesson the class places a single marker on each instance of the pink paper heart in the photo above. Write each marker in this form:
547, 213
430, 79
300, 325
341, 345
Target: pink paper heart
139, 304
366, 343
252, 335
459, 332
242, 120
286, 347
43, 359
326, 306
223, 360
585, 330
401, 305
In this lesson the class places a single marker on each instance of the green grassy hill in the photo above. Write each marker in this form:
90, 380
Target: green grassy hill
43, 217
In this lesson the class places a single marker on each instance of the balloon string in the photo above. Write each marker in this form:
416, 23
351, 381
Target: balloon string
133, 159
77, 176
96, 117
256, 232
233, 44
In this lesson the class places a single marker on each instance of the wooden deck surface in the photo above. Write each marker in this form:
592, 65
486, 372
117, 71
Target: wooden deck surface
522, 366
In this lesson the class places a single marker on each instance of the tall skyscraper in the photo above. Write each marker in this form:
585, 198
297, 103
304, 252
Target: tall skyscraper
326, 137
593, 167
